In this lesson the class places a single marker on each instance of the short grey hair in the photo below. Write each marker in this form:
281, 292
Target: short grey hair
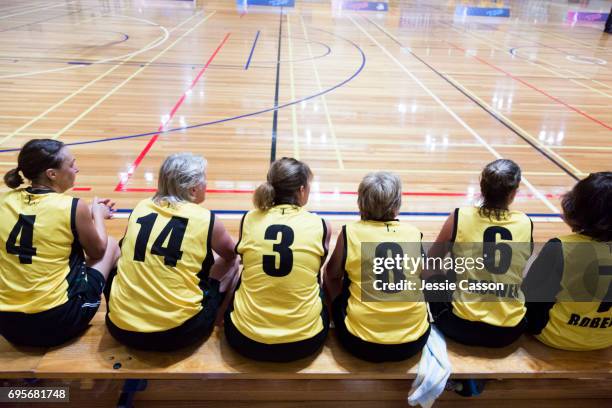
179, 173
380, 196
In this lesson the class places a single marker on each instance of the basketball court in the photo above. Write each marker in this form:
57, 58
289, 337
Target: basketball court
431, 90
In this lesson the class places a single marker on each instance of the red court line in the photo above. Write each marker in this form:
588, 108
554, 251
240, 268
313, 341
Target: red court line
81, 189
535, 88
121, 185
329, 192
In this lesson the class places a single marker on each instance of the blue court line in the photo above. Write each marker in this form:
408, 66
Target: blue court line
252, 50
246, 115
260, 64
356, 213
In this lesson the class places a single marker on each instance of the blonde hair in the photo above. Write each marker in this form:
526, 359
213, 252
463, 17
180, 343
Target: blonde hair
380, 196
284, 180
179, 173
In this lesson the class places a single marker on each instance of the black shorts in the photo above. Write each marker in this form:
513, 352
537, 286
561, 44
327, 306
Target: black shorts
193, 331
279, 352
466, 331
61, 323
369, 351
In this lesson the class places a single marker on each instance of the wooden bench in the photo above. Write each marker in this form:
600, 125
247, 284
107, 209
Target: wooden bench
214, 372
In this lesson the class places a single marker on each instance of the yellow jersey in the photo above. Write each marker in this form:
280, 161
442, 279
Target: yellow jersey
586, 273
503, 246
385, 321
278, 300
162, 274
38, 248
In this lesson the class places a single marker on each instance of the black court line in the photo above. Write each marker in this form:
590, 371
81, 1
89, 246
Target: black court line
486, 109
275, 115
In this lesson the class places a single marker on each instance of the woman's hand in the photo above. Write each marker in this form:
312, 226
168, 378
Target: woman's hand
102, 207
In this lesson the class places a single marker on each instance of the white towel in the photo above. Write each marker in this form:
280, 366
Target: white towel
433, 372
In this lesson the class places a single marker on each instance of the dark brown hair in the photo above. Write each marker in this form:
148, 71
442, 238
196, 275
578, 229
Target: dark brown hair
498, 180
35, 157
284, 180
587, 208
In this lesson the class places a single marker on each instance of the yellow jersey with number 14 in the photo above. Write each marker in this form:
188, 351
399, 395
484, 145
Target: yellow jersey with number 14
163, 269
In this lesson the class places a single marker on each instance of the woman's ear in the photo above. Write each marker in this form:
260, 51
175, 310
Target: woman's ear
51, 174
193, 193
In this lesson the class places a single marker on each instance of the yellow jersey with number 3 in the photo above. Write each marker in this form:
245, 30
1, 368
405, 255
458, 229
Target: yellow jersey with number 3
38, 245
282, 250
163, 269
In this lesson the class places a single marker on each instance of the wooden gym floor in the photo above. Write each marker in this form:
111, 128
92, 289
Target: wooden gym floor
420, 90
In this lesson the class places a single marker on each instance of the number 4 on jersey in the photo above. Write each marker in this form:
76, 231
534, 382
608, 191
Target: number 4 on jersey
175, 229
24, 229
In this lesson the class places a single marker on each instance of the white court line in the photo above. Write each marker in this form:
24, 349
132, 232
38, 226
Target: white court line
539, 62
73, 94
35, 10
494, 152
23, 7
128, 79
294, 127
155, 44
332, 132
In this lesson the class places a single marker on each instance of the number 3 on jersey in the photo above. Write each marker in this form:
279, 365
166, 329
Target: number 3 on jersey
175, 229
282, 249
24, 229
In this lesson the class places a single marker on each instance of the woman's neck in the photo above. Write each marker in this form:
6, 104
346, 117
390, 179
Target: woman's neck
43, 186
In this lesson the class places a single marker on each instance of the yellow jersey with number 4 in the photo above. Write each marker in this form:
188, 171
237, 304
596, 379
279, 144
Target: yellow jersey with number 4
38, 245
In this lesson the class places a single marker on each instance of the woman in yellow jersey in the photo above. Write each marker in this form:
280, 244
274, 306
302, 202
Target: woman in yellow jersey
569, 286
49, 288
168, 286
277, 312
389, 329
490, 246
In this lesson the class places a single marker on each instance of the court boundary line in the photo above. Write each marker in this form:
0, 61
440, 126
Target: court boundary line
340, 192
533, 87
492, 112
229, 119
125, 178
330, 124
537, 217
161, 40
294, 124
53, 107
35, 10
117, 87
276, 89
452, 113
539, 63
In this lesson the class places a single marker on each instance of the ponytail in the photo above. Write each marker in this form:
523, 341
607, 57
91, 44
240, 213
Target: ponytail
13, 179
285, 178
263, 199
34, 158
